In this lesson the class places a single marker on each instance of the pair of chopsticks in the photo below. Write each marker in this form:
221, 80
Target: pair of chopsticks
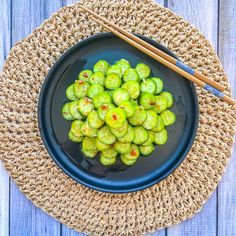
160, 56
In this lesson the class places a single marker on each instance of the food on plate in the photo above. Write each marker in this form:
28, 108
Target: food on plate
118, 112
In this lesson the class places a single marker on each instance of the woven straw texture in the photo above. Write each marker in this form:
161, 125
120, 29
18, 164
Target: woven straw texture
176, 198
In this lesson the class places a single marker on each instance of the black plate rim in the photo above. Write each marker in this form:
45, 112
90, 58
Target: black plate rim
60, 165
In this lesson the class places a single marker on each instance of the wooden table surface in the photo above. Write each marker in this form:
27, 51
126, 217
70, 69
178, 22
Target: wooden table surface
216, 19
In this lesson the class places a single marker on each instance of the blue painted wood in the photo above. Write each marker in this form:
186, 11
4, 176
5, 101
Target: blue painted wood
227, 54
195, 11
25, 218
5, 32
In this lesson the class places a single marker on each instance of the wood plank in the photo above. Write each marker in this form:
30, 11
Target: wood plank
195, 11
4, 201
227, 54
5, 28
25, 218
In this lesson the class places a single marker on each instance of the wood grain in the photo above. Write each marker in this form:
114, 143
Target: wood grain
195, 11
5, 38
227, 54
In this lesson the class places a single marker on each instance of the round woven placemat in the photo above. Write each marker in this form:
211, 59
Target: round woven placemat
176, 198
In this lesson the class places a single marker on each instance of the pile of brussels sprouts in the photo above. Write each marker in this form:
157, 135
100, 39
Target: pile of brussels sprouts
118, 111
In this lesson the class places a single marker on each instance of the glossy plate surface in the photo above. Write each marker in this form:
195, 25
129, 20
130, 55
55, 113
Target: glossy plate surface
89, 172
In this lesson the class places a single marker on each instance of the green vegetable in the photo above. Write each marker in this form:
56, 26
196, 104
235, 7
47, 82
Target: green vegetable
147, 100
121, 131
128, 137
101, 66
97, 78
161, 137
168, 117
122, 147
139, 116
101, 98
161, 104
85, 105
169, 97
126, 161
74, 138
105, 136
115, 118
66, 113
107, 161
159, 84
148, 86
114, 69
151, 139
103, 109
81, 88
131, 74
133, 154
118, 112
119, 95
123, 64
143, 70
94, 120
94, 90
74, 110
101, 146
112, 81
140, 135
88, 143
133, 88
109, 153
160, 125
70, 93
89, 153
76, 128
146, 150
151, 121
85, 75
128, 108
87, 130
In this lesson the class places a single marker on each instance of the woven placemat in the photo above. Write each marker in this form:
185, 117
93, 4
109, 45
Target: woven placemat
176, 198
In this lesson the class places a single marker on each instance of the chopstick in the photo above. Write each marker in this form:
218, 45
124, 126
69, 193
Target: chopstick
159, 52
187, 72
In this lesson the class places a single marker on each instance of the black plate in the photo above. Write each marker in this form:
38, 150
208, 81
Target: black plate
118, 178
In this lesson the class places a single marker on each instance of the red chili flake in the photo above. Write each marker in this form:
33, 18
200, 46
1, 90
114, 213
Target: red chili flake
87, 100
81, 82
114, 117
85, 75
104, 107
133, 153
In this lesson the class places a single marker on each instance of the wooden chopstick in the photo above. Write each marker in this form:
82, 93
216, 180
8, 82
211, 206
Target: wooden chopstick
173, 67
159, 52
